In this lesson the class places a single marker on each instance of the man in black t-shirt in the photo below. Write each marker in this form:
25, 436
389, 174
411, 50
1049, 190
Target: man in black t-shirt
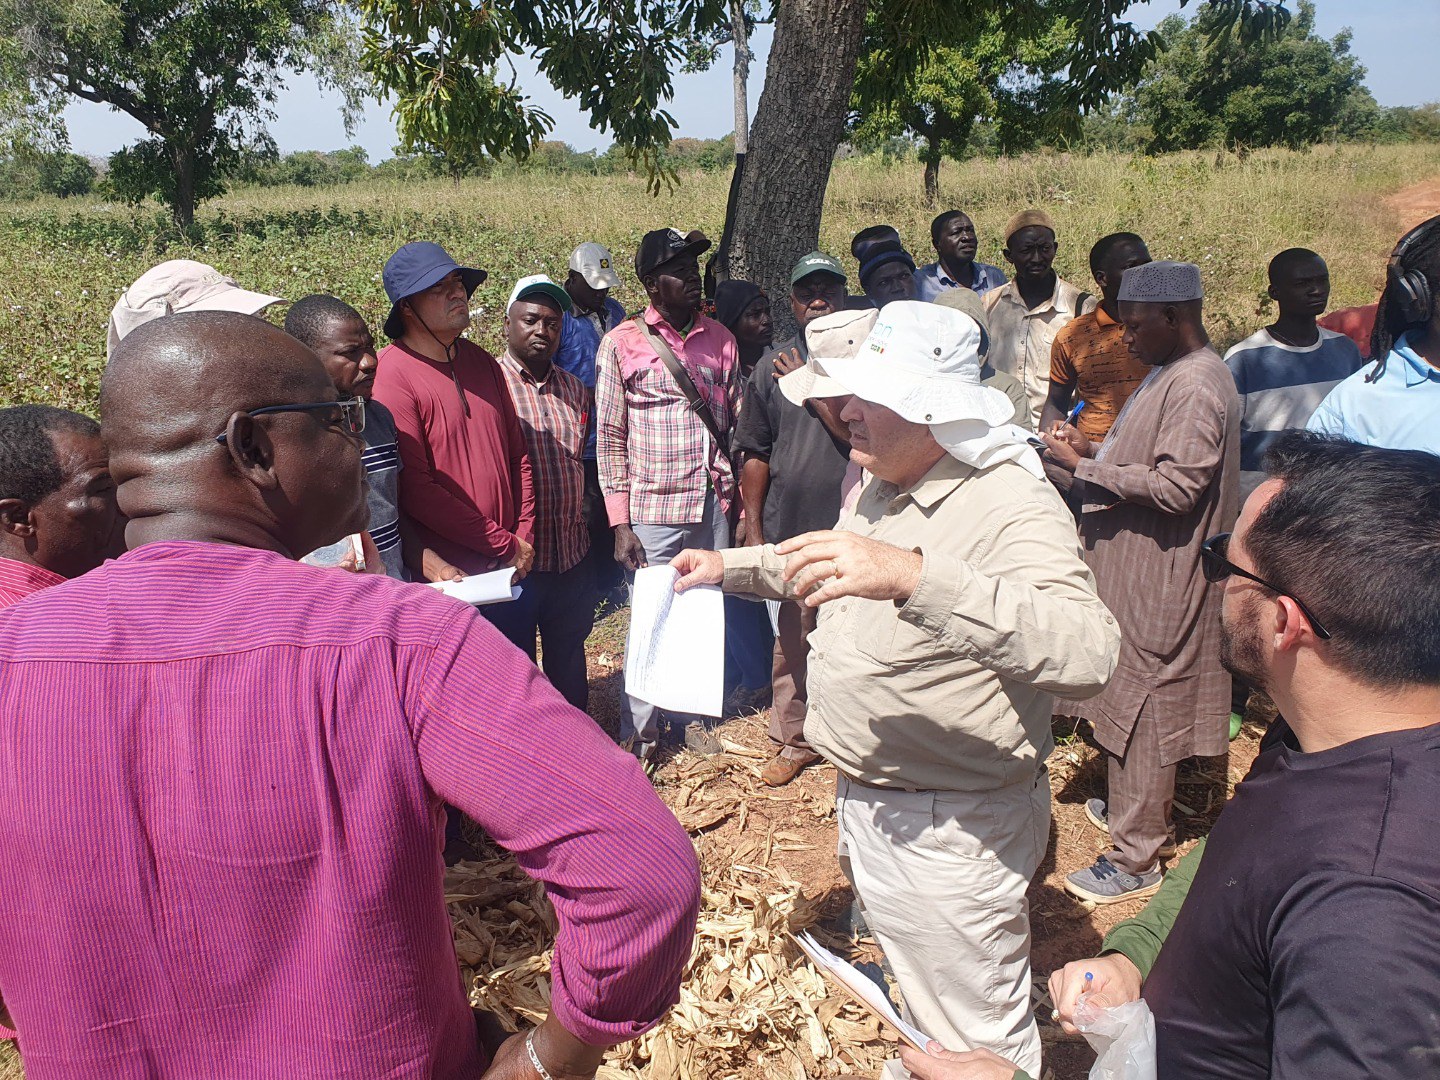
1306, 945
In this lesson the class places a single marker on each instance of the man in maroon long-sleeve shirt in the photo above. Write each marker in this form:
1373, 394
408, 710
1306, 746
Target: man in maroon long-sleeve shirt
222, 771
466, 481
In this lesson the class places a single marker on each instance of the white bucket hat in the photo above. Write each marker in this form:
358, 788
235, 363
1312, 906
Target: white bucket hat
922, 361
830, 337
179, 285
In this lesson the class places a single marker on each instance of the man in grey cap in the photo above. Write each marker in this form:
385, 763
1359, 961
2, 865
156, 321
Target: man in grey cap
593, 314
1164, 480
952, 604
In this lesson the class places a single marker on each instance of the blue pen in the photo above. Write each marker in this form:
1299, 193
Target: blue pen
1074, 412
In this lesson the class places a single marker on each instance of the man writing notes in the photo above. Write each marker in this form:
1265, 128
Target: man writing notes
252, 755
953, 604
1165, 478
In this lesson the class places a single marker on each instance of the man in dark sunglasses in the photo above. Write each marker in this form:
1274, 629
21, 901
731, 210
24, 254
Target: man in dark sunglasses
1303, 942
253, 755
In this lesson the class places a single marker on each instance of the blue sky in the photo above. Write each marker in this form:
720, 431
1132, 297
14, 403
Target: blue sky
1395, 40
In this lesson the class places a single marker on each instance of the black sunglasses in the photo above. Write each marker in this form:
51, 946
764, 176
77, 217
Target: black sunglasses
352, 413
1217, 567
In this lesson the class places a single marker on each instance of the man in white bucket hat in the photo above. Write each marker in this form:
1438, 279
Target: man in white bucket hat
953, 604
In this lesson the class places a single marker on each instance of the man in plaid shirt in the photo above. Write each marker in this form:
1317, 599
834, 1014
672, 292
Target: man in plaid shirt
667, 485
552, 406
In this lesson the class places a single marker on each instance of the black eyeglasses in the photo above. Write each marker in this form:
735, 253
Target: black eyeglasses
1217, 567
352, 413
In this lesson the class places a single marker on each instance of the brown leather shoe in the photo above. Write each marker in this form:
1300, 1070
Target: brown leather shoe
782, 770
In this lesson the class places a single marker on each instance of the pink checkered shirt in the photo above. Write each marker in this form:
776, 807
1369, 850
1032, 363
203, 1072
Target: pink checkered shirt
657, 461
553, 415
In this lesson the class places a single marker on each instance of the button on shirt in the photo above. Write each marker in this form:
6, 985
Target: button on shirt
19, 579
1021, 337
223, 776
952, 690
931, 280
553, 416
580, 336
657, 462
1399, 410
466, 481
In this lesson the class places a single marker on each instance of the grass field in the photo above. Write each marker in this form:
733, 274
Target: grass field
64, 263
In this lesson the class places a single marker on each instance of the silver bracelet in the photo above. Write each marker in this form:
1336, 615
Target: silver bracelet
535, 1058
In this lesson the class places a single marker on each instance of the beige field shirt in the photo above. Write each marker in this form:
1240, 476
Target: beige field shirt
1020, 337
952, 690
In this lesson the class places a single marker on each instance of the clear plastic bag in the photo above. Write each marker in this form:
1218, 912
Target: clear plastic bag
1123, 1037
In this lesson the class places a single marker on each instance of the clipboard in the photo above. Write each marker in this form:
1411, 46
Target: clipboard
861, 990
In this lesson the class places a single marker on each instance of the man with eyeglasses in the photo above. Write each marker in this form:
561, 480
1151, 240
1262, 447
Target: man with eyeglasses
1303, 943
252, 755
1025, 315
1164, 479
466, 479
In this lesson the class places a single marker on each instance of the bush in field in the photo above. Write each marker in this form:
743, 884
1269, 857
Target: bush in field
27, 176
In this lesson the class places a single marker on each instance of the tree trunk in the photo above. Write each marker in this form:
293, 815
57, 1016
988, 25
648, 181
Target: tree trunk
797, 130
932, 175
183, 209
743, 56
717, 267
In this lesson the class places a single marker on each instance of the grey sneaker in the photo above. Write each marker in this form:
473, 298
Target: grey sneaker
1106, 883
700, 740
1096, 812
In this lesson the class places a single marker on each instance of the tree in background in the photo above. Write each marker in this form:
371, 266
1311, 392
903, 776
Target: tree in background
1207, 89
998, 73
200, 78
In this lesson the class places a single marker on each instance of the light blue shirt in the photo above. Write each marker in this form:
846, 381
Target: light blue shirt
931, 280
1399, 410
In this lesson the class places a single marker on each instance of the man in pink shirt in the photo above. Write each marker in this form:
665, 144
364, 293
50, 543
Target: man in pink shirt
667, 479
58, 517
465, 479
222, 771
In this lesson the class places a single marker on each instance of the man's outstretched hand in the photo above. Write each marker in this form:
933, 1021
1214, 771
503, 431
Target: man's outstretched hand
825, 565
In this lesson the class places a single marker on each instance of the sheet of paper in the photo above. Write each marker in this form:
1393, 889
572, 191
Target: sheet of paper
675, 653
482, 589
862, 989
773, 608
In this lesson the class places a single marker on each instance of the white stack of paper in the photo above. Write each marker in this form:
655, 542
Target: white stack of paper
865, 992
481, 589
675, 652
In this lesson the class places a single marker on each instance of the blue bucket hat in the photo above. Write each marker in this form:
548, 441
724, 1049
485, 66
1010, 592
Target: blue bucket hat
414, 268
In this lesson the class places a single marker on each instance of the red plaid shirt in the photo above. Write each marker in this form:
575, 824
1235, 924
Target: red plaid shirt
553, 415
657, 461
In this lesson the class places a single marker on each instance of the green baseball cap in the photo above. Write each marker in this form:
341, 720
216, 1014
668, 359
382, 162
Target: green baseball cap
814, 262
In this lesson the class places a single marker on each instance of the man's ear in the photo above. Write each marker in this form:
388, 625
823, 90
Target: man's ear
16, 518
1008, 257
251, 451
1270, 292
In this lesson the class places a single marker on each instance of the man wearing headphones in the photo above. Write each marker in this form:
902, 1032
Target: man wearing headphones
1395, 402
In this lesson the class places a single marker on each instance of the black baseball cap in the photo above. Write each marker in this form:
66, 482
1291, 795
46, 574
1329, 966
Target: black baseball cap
659, 246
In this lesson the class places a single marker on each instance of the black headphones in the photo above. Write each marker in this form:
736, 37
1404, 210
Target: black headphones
1410, 288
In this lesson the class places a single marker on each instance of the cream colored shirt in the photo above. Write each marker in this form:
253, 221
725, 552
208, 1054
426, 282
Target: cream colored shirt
952, 690
1020, 337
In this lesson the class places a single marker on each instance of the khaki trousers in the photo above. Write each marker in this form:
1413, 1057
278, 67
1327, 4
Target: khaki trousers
941, 877
789, 701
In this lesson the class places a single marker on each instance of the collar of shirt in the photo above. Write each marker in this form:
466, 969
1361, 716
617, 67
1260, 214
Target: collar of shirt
931, 489
1061, 298
19, 579
518, 367
657, 321
1417, 368
1102, 317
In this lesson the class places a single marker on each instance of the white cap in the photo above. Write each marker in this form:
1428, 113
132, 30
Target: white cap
922, 361
175, 286
841, 333
596, 265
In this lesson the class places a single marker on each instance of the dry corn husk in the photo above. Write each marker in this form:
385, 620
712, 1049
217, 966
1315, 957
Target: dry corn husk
750, 1005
